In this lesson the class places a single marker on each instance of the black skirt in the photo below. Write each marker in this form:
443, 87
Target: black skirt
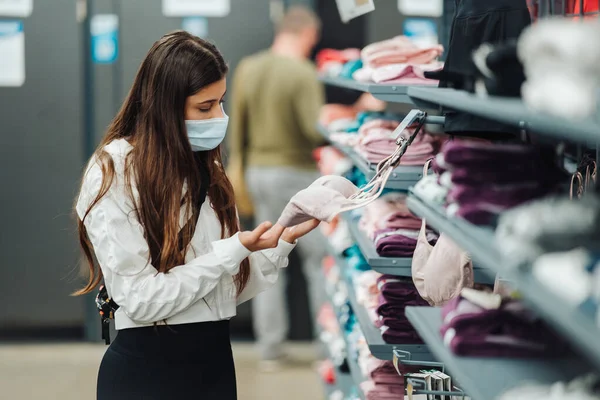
189, 361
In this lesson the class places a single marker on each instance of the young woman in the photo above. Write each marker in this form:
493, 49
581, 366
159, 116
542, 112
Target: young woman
157, 211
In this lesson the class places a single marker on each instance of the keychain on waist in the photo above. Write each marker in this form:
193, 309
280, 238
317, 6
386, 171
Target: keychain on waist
106, 308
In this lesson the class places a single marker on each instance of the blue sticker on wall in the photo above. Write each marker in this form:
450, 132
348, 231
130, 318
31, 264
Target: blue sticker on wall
197, 26
422, 31
104, 31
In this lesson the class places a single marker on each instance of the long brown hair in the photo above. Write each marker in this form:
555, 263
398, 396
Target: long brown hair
152, 119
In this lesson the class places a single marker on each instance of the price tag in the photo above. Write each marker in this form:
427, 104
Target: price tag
16, 8
201, 8
350, 9
422, 8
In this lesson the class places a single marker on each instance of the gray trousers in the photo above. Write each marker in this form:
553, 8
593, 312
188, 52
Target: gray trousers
271, 188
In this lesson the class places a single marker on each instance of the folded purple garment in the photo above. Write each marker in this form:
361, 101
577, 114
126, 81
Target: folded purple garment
397, 324
396, 309
512, 330
467, 153
400, 296
391, 378
503, 176
391, 244
392, 336
505, 197
479, 216
497, 346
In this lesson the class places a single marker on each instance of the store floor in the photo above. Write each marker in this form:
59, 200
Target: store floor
68, 372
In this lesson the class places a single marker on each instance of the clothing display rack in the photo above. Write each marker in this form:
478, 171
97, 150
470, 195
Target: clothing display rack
481, 378
402, 177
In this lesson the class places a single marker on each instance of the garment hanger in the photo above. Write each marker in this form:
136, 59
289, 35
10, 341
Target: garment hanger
374, 188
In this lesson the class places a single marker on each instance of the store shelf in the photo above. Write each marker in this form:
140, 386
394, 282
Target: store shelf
383, 91
402, 177
354, 378
477, 241
576, 327
487, 378
378, 347
509, 111
343, 382
385, 265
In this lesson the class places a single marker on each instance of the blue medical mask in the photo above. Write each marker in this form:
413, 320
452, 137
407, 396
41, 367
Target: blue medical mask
207, 134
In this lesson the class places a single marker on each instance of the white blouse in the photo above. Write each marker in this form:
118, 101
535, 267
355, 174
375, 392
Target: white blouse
200, 290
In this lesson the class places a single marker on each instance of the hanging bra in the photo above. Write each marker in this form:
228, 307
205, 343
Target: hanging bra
441, 271
331, 195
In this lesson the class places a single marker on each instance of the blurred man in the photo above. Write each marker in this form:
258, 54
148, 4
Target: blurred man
275, 106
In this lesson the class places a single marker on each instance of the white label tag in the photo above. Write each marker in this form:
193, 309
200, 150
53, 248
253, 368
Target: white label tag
350, 9
422, 8
202, 8
16, 8
12, 49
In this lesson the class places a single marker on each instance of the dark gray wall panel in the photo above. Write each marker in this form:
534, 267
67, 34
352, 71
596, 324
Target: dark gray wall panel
41, 140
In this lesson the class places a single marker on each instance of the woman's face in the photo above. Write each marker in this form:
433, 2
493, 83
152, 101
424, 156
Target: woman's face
206, 103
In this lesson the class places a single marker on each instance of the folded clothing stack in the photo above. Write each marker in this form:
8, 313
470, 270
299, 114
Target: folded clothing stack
331, 161
385, 298
330, 61
398, 60
551, 224
390, 224
482, 324
396, 293
563, 72
336, 112
581, 388
479, 191
574, 277
383, 381
376, 139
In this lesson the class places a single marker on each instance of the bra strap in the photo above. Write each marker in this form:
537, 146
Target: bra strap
580, 179
423, 222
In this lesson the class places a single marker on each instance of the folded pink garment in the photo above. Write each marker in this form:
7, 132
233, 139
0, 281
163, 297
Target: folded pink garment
365, 74
373, 391
322, 200
378, 146
413, 56
395, 43
376, 141
389, 211
399, 71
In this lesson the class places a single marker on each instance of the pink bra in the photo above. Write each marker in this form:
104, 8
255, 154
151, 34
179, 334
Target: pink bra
440, 272
323, 199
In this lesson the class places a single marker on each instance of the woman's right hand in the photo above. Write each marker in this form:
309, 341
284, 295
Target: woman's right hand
265, 236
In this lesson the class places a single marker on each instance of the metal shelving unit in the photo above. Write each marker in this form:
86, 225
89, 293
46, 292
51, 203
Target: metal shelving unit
385, 265
402, 178
343, 382
383, 91
487, 378
580, 330
508, 111
378, 347
354, 378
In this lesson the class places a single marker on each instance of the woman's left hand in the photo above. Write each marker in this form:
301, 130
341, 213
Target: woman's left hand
294, 233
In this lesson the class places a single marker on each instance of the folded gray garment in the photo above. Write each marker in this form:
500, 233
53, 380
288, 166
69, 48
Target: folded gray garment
323, 199
551, 224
